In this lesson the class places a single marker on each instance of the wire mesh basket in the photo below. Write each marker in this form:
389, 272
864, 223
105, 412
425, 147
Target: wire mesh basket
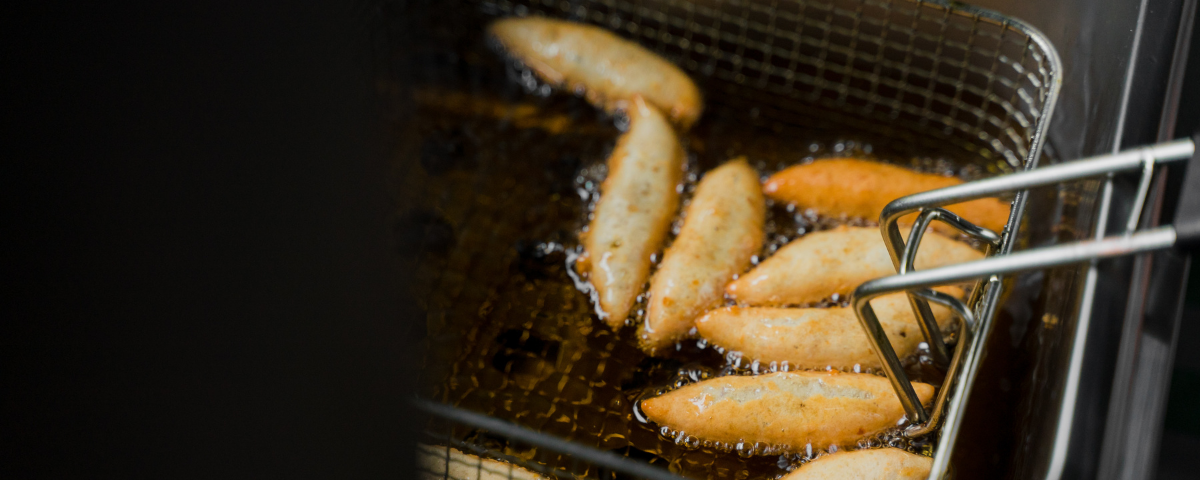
462, 445
929, 72
494, 179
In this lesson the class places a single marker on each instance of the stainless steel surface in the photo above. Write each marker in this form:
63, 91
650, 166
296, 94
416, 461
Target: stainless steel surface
1129, 42
1134, 423
1134, 420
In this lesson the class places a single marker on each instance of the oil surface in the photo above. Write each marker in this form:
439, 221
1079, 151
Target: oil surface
505, 175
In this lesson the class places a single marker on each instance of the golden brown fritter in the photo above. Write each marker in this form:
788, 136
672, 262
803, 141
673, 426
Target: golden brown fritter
638, 200
722, 229
820, 264
810, 338
861, 188
790, 409
608, 69
874, 464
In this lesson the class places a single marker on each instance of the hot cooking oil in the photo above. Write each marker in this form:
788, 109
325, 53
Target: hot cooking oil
504, 179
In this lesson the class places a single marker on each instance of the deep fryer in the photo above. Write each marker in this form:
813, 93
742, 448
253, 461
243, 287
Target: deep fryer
946, 78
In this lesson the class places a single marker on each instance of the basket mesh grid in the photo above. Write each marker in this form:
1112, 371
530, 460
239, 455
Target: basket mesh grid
445, 455
938, 73
493, 204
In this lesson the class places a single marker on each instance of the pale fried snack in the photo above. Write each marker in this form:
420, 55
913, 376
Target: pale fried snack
861, 188
722, 229
820, 264
437, 463
788, 409
608, 69
874, 464
637, 202
818, 337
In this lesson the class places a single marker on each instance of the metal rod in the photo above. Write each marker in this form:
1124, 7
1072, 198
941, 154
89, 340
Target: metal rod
926, 218
920, 308
958, 401
609, 460
1162, 153
1139, 201
929, 328
891, 364
1085, 168
1036, 259
958, 307
926, 320
966, 338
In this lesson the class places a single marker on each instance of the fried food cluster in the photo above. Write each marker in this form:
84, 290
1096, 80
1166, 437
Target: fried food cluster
705, 283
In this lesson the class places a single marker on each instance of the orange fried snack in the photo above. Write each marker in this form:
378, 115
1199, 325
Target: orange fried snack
820, 264
637, 203
608, 69
788, 409
875, 464
861, 188
722, 229
812, 338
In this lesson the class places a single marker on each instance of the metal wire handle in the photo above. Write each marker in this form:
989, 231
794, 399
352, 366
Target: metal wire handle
988, 272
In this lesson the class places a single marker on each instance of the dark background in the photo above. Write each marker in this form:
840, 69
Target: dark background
200, 276
1181, 428
200, 264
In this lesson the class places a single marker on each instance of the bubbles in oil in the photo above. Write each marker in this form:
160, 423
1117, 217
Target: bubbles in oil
536, 354
621, 120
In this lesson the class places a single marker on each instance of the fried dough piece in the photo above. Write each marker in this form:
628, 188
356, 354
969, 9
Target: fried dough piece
723, 228
608, 69
810, 338
637, 203
437, 463
874, 464
789, 409
820, 264
861, 188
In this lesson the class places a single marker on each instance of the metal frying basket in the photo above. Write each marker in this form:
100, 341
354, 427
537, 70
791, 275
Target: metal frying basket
933, 76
